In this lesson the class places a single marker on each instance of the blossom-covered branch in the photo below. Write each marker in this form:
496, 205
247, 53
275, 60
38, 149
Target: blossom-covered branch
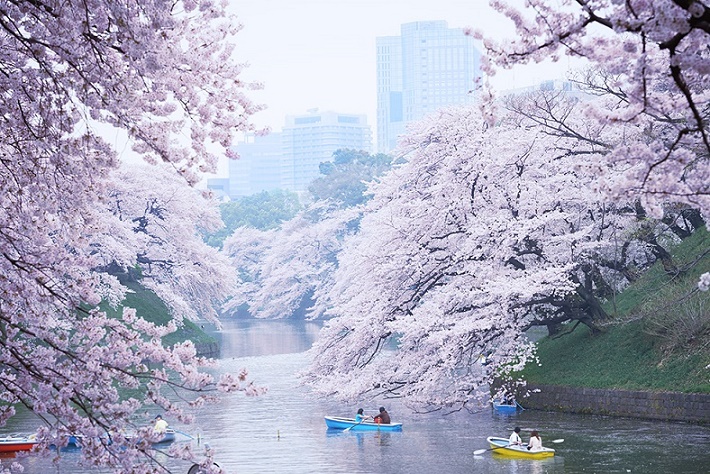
161, 73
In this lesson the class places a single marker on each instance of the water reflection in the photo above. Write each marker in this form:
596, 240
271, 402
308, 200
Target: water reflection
363, 438
245, 338
506, 465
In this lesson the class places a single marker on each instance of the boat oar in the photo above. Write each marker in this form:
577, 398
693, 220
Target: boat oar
519, 405
184, 434
481, 451
353, 426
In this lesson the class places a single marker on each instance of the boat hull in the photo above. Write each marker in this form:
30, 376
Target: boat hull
75, 441
11, 444
508, 409
337, 423
168, 438
500, 447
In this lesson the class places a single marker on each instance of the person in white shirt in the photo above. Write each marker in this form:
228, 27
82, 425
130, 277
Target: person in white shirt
160, 424
514, 439
535, 443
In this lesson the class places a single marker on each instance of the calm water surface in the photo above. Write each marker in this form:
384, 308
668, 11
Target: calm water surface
284, 432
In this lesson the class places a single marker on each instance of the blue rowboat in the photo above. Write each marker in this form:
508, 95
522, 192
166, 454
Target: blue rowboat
169, 437
337, 423
504, 408
75, 441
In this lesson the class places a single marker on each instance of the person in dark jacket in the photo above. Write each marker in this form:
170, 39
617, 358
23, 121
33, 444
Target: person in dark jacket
382, 417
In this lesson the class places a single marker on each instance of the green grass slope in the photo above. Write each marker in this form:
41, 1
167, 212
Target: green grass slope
658, 338
151, 308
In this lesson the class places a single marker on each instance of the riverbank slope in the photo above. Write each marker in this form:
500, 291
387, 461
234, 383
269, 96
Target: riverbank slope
656, 341
151, 308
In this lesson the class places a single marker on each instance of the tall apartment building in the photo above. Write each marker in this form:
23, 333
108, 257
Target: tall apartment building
427, 67
290, 159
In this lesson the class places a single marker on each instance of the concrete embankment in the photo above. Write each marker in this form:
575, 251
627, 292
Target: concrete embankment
669, 406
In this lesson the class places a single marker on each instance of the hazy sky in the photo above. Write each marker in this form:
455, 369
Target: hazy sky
321, 53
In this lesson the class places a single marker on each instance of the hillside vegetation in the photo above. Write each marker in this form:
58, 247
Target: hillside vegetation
657, 339
151, 308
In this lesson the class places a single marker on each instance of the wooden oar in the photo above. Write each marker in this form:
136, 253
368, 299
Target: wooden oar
481, 451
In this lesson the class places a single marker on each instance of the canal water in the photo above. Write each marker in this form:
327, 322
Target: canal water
283, 431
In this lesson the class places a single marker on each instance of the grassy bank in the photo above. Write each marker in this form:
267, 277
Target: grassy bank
658, 337
151, 308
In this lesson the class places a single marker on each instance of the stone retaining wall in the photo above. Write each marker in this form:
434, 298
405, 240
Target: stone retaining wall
670, 406
207, 349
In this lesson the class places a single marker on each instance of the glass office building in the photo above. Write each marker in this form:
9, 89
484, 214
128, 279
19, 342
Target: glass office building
427, 67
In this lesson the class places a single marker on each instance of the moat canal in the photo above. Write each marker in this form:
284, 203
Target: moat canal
284, 432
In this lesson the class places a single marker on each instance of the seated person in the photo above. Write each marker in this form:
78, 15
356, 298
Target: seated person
160, 424
360, 416
382, 417
514, 439
535, 443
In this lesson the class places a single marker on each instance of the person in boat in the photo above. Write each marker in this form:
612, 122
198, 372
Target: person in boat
507, 398
535, 443
514, 439
382, 417
160, 425
361, 416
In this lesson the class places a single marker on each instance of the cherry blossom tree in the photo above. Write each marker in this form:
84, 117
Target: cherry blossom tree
281, 269
557, 113
483, 232
655, 62
160, 223
163, 74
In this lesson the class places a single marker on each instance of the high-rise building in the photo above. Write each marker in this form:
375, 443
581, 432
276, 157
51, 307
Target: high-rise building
427, 67
258, 167
290, 159
312, 138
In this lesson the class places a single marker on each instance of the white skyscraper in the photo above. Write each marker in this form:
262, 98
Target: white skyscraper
290, 159
428, 67
312, 138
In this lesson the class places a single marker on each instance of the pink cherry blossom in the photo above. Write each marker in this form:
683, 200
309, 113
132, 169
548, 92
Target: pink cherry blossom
163, 75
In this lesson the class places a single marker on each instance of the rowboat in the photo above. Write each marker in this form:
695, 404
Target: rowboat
169, 437
12, 443
504, 408
75, 441
337, 423
502, 447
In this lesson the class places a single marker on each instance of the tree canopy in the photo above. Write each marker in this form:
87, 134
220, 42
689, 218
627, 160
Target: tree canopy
344, 179
265, 210
483, 232
652, 58
157, 72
